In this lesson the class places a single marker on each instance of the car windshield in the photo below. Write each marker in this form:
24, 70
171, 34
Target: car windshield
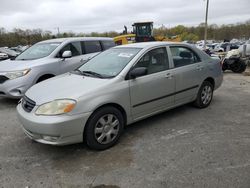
38, 51
111, 62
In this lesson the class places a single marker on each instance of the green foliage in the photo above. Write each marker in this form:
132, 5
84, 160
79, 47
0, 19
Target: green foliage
189, 36
27, 37
215, 32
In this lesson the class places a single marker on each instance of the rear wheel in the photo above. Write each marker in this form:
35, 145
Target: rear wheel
205, 95
104, 128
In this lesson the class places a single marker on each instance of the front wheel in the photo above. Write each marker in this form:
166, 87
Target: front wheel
205, 95
104, 128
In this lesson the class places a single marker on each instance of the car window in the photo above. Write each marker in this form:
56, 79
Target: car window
155, 61
183, 56
74, 47
107, 44
92, 46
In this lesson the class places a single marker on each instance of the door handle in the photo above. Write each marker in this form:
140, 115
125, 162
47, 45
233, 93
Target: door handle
169, 76
199, 68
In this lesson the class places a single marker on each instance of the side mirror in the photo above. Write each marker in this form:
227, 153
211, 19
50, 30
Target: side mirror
137, 72
67, 54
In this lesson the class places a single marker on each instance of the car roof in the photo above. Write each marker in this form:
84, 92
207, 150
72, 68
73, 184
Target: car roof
149, 44
72, 39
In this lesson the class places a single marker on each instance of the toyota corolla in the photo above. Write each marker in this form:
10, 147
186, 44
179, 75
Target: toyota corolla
118, 87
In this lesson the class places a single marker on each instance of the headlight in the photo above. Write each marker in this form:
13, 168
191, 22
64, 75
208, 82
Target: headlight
17, 74
56, 107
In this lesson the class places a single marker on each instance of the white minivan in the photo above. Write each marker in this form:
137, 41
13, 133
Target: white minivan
47, 59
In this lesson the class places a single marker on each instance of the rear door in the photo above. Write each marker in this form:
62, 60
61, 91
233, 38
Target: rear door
189, 73
153, 92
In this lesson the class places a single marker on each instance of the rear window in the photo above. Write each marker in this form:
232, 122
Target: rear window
107, 44
92, 47
183, 56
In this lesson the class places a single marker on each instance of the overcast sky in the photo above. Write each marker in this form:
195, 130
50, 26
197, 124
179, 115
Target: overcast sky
106, 15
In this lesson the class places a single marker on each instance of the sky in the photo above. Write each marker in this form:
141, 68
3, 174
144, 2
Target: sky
85, 16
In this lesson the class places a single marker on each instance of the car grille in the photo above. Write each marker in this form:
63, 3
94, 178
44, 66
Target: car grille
3, 79
28, 104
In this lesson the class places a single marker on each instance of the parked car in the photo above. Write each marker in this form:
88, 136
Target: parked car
16, 49
218, 48
11, 53
47, 59
117, 87
241, 48
229, 46
3, 56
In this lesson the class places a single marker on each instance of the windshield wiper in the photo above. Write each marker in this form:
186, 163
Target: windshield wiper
91, 73
77, 71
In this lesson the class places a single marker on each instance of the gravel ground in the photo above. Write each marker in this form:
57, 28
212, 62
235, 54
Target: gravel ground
184, 147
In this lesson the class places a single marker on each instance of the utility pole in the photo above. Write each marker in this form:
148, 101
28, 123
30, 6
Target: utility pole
58, 31
205, 35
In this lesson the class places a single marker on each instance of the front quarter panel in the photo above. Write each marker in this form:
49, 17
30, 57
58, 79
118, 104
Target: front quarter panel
115, 93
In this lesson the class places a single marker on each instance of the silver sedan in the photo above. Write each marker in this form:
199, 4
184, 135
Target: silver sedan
118, 87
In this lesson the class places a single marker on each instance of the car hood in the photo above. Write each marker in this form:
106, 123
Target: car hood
66, 86
13, 65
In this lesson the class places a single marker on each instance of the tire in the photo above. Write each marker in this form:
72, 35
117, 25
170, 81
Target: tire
239, 67
104, 128
205, 95
224, 66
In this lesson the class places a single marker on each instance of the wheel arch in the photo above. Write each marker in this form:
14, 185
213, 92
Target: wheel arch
211, 80
44, 77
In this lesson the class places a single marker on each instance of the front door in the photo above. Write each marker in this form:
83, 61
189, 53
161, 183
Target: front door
153, 92
69, 64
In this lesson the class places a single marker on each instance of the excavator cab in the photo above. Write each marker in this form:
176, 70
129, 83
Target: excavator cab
143, 31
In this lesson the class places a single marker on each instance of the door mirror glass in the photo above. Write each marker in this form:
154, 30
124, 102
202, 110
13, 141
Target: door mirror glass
137, 72
67, 54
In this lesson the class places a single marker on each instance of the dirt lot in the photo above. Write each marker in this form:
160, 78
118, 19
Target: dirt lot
184, 147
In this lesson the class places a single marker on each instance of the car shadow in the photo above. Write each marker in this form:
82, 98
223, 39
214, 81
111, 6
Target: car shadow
130, 134
8, 102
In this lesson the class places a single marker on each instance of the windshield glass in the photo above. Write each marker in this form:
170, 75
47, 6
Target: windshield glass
38, 51
111, 62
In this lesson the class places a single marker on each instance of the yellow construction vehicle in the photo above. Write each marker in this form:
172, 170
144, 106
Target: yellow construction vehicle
142, 32
125, 39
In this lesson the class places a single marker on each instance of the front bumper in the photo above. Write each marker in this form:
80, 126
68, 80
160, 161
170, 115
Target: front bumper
54, 130
15, 88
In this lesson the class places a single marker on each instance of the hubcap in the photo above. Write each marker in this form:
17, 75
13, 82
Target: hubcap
206, 95
107, 128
